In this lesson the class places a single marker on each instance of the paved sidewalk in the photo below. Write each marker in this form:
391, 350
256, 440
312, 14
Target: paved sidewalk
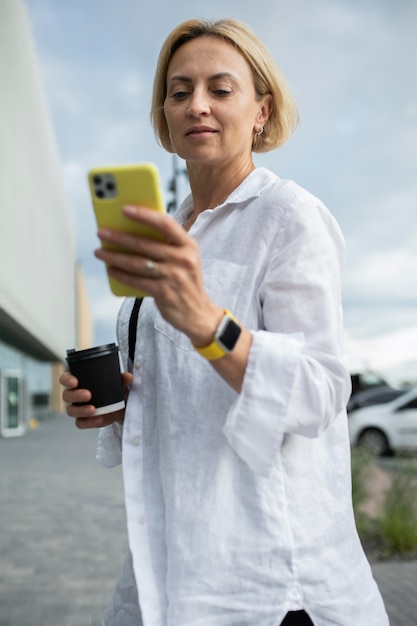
63, 533
398, 584
62, 528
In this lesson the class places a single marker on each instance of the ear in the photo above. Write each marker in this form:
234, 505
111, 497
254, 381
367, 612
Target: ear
265, 109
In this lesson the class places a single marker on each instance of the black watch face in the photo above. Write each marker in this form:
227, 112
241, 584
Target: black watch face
230, 335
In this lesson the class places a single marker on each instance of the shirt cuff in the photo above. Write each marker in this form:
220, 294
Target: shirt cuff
109, 445
256, 422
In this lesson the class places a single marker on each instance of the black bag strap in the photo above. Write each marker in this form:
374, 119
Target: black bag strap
133, 328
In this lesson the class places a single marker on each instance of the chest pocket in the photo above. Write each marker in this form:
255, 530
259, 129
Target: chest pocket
224, 283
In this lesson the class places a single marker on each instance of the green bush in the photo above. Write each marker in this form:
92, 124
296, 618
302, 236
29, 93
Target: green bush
361, 461
398, 516
361, 467
394, 531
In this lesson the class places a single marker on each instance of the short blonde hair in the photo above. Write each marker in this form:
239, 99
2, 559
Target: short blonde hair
268, 79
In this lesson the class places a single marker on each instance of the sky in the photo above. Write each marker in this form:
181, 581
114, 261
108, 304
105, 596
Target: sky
352, 66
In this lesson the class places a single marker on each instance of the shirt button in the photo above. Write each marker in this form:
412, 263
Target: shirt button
136, 441
141, 519
136, 365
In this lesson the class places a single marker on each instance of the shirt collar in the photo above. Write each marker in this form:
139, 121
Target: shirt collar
251, 187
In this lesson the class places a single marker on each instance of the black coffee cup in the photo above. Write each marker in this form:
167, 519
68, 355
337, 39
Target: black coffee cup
98, 370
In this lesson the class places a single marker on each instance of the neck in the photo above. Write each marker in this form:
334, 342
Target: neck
210, 186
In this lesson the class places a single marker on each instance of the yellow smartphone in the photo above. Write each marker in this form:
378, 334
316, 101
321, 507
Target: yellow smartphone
112, 188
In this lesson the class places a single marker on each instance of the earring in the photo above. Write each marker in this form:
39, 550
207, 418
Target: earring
260, 131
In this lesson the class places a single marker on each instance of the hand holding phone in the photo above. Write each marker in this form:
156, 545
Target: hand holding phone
112, 188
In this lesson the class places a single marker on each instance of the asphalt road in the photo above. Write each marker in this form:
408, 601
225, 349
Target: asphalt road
399, 463
63, 536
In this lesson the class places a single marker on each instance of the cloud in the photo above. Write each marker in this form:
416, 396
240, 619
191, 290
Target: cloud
392, 355
384, 277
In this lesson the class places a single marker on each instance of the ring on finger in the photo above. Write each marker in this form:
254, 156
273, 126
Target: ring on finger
150, 266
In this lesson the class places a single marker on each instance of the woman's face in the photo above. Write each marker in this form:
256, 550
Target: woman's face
211, 107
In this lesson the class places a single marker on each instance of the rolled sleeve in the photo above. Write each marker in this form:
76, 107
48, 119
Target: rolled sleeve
295, 381
109, 445
256, 423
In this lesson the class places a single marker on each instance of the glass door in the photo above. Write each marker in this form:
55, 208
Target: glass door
12, 403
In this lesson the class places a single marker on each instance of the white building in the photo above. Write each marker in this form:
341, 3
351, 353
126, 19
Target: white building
38, 317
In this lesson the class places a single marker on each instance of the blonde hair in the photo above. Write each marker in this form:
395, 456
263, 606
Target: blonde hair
268, 79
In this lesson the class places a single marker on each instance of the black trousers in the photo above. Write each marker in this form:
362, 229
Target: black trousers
297, 618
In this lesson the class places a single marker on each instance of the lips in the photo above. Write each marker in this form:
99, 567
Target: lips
200, 130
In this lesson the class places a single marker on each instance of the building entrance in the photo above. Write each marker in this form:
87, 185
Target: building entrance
13, 403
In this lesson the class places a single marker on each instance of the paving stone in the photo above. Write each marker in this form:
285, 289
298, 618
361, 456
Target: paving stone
63, 533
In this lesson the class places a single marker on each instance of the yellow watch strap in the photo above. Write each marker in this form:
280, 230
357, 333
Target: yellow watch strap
214, 351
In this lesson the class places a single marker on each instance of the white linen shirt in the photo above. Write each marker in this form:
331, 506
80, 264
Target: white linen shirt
239, 505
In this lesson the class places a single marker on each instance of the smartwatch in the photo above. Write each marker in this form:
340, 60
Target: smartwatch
225, 338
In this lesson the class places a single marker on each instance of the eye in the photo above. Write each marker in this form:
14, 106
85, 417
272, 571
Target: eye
222, 92
179, 95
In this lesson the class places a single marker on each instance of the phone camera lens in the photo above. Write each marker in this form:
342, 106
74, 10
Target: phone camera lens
100, 193
110, 186
97, 180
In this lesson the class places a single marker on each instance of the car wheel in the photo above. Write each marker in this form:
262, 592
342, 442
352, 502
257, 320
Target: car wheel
374, 441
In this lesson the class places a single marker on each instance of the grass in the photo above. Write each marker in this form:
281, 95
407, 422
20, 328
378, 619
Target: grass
398, 515
361, 465
394, 530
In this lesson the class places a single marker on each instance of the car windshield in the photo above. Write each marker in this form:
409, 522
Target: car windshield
370, 397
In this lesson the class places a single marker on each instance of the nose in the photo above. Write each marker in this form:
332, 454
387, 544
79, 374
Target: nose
198, 103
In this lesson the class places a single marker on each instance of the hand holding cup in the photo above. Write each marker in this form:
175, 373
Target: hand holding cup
95, 389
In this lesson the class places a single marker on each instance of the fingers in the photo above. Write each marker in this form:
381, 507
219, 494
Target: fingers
155, 267
171, 231
75, 403
85, 414
168, 270
73, 396
131, 263
127, 379
68, 380
172, 234
99, 421
143, 247
177, 247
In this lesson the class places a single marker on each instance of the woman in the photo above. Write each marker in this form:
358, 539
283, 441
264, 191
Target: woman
235, 444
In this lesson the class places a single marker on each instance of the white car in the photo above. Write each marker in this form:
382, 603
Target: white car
385, 428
